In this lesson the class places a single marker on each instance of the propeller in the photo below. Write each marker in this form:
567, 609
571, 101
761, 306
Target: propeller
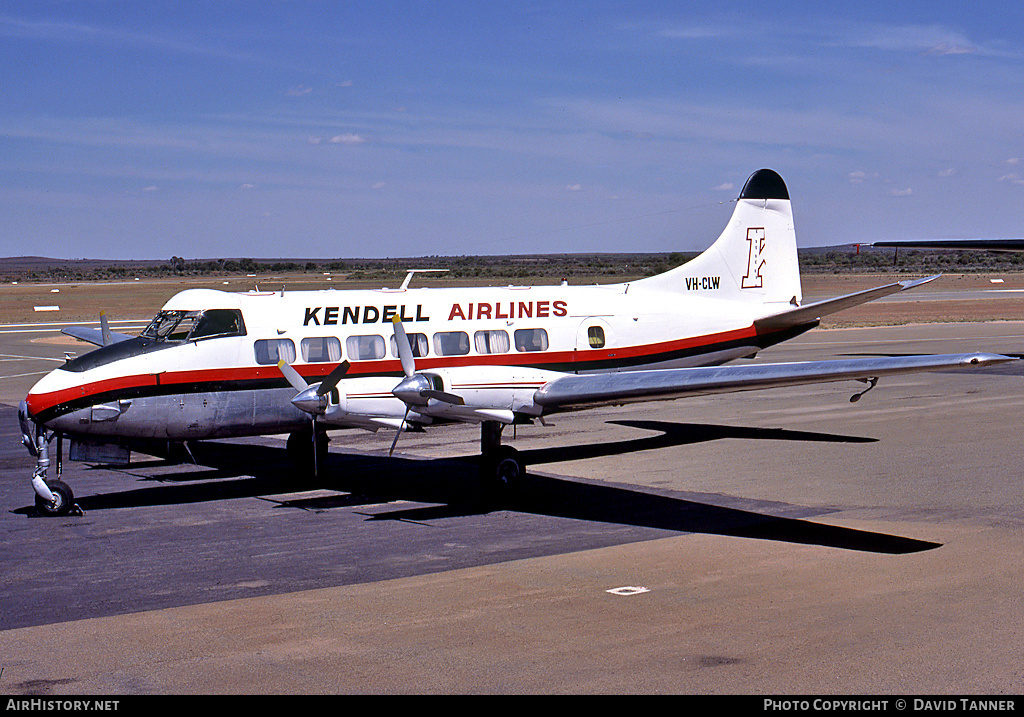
416, 389
312, 398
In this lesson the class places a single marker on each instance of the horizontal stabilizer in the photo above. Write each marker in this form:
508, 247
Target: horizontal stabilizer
810, 313
573, 391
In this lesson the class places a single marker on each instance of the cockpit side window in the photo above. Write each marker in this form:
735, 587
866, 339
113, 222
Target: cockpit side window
218, 322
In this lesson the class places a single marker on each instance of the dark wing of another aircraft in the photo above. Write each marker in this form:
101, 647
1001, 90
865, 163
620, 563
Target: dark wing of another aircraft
974, 244
574, 391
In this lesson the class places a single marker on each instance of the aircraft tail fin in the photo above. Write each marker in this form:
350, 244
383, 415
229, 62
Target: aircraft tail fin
755, 259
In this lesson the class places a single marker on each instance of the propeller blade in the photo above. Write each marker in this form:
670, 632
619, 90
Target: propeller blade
314, 448
399, 431
404, 349
328, 384
296, 380
444, 396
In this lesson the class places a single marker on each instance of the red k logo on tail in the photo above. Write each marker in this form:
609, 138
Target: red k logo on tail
752, 279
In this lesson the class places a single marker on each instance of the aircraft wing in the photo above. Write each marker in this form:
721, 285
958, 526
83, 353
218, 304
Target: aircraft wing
95, 336
810, 313
576, 391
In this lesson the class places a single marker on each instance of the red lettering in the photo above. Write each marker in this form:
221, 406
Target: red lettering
457, 311
483, 311
497, 311
560, 308
525, 310
542, 309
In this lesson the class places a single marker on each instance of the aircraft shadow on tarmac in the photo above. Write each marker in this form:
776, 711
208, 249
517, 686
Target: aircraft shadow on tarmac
453, 487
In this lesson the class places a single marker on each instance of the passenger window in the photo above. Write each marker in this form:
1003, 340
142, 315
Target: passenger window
451, 343
595, 334
417, 342
321, 349
491, 342
531, 340
365, 348
270, 351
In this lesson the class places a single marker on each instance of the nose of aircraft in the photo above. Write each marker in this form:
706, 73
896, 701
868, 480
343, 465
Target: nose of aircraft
48, 392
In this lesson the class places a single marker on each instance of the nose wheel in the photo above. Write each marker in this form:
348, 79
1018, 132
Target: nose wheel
63, 501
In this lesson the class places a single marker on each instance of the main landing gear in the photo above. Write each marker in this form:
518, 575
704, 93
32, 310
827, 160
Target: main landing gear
501, 466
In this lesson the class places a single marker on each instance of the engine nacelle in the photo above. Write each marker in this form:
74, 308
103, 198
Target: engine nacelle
487, 393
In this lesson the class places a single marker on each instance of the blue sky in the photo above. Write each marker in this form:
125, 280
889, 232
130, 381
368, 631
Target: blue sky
371, 129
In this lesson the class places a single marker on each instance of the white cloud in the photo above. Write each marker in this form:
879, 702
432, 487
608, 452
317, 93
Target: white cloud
63, 32
902, 192
700, 32
725, 187
348, 138
860, 176
924, 39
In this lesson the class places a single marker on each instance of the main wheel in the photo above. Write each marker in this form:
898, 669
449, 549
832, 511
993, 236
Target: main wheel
508, 467
64, 499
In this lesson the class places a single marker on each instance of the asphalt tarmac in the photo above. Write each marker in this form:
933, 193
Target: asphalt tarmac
776, 542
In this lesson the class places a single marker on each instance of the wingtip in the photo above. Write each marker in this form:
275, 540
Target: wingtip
911, 283
987, 359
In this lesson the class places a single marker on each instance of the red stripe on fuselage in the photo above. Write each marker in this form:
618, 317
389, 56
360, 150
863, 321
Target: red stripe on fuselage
579, 359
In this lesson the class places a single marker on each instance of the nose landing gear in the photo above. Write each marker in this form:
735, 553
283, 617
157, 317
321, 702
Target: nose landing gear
54, 498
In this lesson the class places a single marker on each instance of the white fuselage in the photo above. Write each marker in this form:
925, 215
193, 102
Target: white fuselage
493, 346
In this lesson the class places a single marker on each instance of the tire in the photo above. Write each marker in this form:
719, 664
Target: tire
507, 467
65, 500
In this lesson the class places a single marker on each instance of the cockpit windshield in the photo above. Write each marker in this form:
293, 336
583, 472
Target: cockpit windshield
192, 325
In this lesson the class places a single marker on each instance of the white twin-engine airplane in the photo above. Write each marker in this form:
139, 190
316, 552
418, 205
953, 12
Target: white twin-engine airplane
215, 364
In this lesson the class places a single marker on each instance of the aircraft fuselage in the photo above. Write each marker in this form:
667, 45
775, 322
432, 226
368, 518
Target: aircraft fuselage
497, 345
